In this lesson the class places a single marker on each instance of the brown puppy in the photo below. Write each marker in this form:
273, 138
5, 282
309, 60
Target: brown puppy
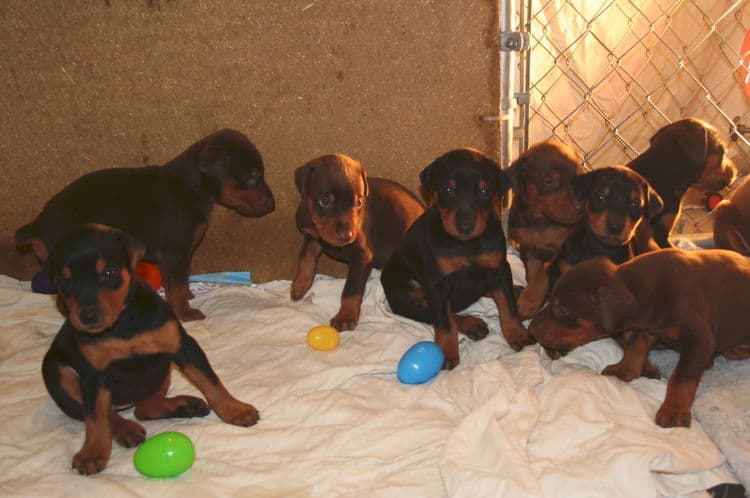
455, 253
117, 346
351, 219
690, 301
685, 154
165, 207
543, 213
732, 221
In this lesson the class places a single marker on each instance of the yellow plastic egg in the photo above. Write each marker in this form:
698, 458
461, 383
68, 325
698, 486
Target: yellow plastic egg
323, 338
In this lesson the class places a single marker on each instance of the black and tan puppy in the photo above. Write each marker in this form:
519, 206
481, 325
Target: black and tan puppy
693, 302
616, 201
732, 221
455, 253
351, 218
116, 347
167, 207
544, 211
685, 154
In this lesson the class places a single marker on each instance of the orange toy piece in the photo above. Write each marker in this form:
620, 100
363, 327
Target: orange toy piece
150, 273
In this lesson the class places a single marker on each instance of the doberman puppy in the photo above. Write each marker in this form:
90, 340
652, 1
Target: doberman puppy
732, 221
690, 301
351, 218
544, 211
684, 154
167, 207
455, 253
616, 201
116, 347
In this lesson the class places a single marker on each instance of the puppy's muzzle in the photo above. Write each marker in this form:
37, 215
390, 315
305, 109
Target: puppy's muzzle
466, 221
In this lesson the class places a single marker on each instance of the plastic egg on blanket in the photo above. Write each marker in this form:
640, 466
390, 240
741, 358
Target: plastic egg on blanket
420, 363
323, 338
168, 454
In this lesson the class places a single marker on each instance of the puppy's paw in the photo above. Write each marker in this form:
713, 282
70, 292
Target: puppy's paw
472, 327
242, 414
189, 407
129, 434
622, 371
188, 314
449, 363
344, 321
517, 337
90, 460
669, 416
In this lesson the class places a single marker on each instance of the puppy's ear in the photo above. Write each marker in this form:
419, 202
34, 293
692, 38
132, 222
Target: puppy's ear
427, 174
694, 144
654, 202
365, 182
425, 179
515, 174
134, 248
61, 306
582, 184
302, 175
615, 303
503, 182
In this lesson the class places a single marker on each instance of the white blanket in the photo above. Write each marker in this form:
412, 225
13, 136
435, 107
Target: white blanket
339, 423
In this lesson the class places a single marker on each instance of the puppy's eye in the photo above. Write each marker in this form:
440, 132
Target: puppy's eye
484, 191
109, 275
359, 202
634, 204
600, 196
324, 202
448, 191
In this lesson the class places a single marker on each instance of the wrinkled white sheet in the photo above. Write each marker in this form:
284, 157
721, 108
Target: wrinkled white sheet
339, 423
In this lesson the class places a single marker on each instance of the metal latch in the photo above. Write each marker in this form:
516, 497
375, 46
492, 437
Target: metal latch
514, 41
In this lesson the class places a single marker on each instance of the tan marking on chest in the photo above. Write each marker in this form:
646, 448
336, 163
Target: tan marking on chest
452, 264
165, 339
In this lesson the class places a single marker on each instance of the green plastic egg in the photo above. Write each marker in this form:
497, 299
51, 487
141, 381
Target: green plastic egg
168, 454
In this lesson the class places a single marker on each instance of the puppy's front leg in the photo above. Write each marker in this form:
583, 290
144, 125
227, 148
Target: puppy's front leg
537, 285
94, 454
194, 364
175, 267
306, 264
446, 330
682, 385
502, 294
360, 266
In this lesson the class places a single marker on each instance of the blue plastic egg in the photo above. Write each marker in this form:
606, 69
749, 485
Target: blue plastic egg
420, 363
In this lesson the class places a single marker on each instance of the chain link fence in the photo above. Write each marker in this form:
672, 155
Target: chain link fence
604, 75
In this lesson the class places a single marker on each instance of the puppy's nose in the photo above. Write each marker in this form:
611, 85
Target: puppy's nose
614, 227
344, 232
89, 316
465, 222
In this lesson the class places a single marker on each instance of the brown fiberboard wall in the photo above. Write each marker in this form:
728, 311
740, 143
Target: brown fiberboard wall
88, 85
